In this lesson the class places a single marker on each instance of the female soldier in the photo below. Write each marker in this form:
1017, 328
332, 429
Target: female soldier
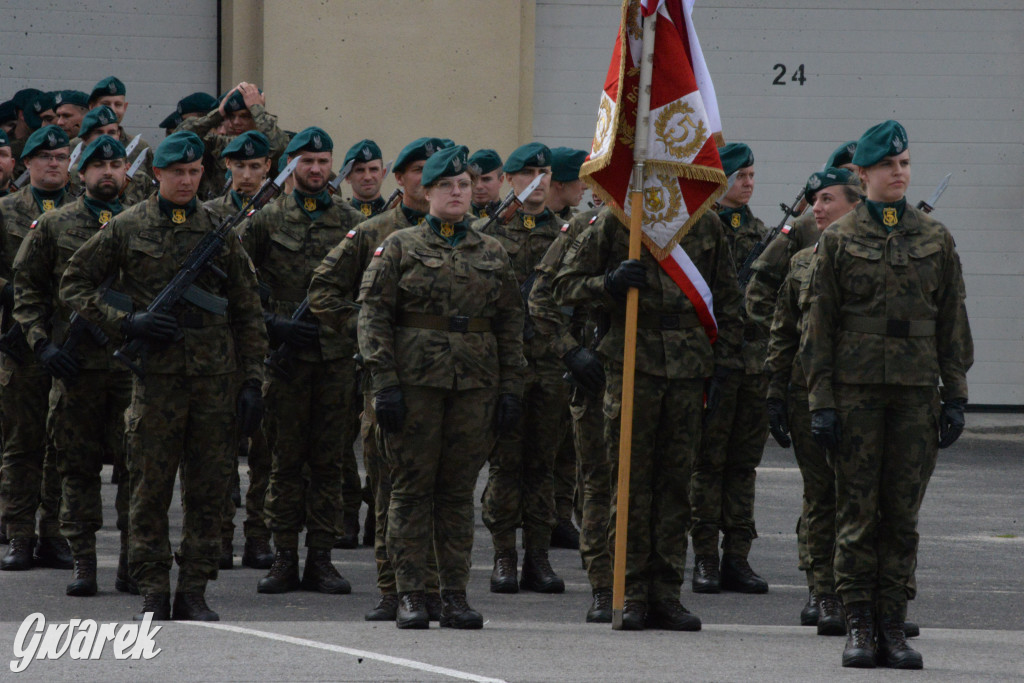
886, 322
832, 193
441, 331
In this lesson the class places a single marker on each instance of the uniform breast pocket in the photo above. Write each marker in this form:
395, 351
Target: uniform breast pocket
424, 275
70, 241
926, 260
139, 244
484, 281
863, 271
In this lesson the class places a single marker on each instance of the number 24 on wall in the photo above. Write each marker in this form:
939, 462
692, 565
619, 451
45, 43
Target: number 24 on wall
798, 75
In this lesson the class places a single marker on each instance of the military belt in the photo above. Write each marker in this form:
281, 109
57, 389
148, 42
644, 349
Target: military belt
888, 327
663, 321
443, 323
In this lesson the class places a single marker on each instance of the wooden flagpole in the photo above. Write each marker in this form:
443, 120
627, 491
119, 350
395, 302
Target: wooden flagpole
643, 109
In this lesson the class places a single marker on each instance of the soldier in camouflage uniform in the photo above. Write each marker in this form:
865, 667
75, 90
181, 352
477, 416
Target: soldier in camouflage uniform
310, 400
440, 330
102, 120
832, 194
6, 165
30, 480
93, 389
111, 92
189, 107
189, 407
673, 356
332, 293
886, 321
71, 106
735, 423
366, 177
520, 479
22, 101
485, 168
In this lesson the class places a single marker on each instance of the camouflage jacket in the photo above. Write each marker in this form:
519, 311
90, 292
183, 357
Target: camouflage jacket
874, 298
415, 271
143, 250
286, 246
684, 352
38, 267
222, 206
18, 211
335, 284
741, 240
781, 367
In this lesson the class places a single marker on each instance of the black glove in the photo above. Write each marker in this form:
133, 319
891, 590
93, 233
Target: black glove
714, 393
390, 409
951, 421
586, 368
778, 422
58, 362
630, 273
249, 407
158, 327
825, 428
284, 330
510, 411
7, 297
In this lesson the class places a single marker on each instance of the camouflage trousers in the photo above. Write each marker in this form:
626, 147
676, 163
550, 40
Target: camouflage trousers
722, 485
351, 484
566, 473
520, 478
86, 423
819, 499
434, 463
188, 422
259, 479
380, 484
883, 464
30, 481
666, 429
595, 486
308, 426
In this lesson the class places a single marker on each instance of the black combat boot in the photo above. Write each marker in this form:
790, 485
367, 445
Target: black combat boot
538, 574
283, 575
320, 575
893, 650
671, 616
565, 535
227, 554
600, 611
53, 552
19, 555
192, 607
860, 636
257, 553
435, 606
157, 603
386, 609
412, 610
349, 538
911, 629
456, 612
706, 578
84, 583
503, 578
809, 614
634, 615
737, 576
832, 617
123, 582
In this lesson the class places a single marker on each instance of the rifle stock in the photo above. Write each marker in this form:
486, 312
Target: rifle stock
746, 270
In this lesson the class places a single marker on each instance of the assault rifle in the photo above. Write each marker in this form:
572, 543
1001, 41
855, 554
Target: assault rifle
511, 204
743, 276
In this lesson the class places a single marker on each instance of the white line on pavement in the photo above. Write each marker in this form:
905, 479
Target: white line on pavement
387, 659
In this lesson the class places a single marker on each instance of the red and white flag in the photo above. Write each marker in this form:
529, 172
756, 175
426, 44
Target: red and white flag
683, 173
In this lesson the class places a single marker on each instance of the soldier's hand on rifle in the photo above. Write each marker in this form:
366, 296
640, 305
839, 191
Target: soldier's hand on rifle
510, 411
56, 361
150, 325
586, 368
284, 330
389, 406
951, 421
249, 408
825, 428
630, 273
778, 422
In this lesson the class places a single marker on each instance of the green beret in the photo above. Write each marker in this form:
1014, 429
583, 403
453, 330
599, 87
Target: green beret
111, 85
45, 139
419, 149
565, 163
735, 156
4, 142
445, 163
886, 139
843, 155
103, 148
197, 103
8, 112
235, 102
23, 98
171, 121
827, 178
447, 142
364, 150
251, 144
312, 139
484, 161
75, 97
94, 118
531, 154
42, 102
180, 147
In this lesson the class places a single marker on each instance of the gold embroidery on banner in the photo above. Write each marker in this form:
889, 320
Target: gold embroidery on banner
653, 200
674, 126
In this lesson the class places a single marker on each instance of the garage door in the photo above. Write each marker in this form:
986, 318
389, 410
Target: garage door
795, 78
